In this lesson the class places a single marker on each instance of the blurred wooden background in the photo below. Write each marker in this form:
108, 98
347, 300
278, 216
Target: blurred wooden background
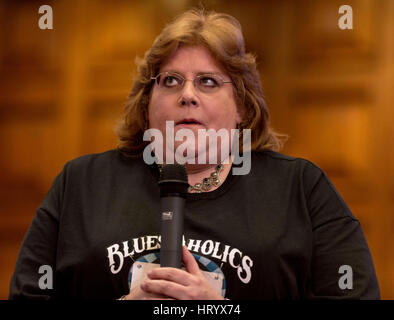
331, 90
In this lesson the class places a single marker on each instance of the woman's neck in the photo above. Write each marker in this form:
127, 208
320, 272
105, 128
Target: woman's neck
196, 173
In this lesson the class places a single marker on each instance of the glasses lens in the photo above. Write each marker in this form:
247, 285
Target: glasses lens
208, 82
170, 81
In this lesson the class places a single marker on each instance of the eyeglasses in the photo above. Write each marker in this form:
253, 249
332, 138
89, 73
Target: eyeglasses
173, 82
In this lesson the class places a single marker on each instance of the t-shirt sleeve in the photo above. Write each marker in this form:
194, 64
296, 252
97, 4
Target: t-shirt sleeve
342, 266
34, 273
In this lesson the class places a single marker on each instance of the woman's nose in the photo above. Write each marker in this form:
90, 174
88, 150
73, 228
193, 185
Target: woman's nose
188, 95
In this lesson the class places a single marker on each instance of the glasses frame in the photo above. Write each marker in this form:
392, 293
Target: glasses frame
193, 80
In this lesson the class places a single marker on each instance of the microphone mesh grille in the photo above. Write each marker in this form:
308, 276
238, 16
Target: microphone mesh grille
173, 180
174, 172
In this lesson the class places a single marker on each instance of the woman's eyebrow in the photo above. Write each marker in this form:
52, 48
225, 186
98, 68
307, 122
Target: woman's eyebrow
211, 72
197, 74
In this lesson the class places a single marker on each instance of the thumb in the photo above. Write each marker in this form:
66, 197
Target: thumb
191, 264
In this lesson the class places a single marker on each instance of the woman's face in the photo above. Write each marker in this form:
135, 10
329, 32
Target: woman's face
189, 107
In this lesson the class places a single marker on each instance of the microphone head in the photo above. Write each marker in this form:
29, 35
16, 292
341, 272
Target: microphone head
173, 181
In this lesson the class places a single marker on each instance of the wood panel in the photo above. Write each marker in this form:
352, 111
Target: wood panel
332, 91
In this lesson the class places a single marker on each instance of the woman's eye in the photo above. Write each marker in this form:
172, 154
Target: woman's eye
170, 81
208, 82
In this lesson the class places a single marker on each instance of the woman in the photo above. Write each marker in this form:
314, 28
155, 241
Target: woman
280, 231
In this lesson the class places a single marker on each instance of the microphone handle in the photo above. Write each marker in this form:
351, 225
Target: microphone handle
171, 231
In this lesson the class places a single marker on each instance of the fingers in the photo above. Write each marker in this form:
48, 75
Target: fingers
163, 288
177, 275
177, 283
170, 274
189, 261
156, 297
138, 294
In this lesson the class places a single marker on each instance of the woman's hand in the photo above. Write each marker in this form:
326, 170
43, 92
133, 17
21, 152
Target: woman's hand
172, 283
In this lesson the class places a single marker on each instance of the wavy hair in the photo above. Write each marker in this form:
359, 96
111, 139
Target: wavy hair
222, 35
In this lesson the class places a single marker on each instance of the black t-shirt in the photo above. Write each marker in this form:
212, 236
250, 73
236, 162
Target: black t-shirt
280, 232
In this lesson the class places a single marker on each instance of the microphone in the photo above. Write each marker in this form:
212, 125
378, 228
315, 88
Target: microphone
173, 186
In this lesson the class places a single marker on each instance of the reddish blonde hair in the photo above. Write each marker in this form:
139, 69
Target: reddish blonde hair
222, 35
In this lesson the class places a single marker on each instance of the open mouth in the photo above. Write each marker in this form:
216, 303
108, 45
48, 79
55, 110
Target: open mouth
188, 122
